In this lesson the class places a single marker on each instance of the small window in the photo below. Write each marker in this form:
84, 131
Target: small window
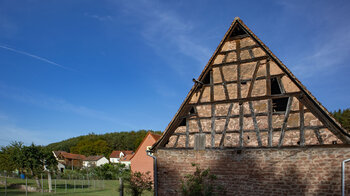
206, 79
238, 30
280, 104
275, 87
183, 122
192, 111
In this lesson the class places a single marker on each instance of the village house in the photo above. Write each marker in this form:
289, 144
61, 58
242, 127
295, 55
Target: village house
69, 160
95, 161
140, 161
254, 124
123, 157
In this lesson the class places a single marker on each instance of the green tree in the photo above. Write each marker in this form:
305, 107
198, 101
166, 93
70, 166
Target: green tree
12, 158
343, 117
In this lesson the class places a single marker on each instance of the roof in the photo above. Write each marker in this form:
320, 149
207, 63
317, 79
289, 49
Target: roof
93, 158
127, 157
116, 153
57, 152
339, 130
154, 136
72, 156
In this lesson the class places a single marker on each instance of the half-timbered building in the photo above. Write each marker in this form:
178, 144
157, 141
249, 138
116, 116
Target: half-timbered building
255, 125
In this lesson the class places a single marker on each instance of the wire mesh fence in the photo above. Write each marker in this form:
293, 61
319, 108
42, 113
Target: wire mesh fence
14, 185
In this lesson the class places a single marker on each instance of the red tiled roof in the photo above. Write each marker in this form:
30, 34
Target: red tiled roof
116, 153
155, 136
127, 157
72, 156
93, 158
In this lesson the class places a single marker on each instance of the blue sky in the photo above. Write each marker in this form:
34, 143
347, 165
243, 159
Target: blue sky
68, 68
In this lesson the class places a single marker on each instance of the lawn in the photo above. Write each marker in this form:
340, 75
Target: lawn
96, 188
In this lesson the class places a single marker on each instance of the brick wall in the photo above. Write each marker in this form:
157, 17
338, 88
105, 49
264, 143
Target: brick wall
285, 171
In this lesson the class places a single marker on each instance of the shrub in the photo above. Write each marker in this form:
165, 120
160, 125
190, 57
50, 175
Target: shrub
199, 183
139, 182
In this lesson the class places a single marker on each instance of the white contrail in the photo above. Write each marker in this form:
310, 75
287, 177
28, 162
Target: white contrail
33, 56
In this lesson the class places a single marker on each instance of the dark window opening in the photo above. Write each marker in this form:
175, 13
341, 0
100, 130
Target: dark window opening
206, 79
280, 104
183, 122
275, 87
248, 137
192, 111
334, 142
238, 30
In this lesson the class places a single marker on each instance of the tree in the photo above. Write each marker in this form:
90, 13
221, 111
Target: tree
11, 157
343, 117
33, 162
139, 182
50, 165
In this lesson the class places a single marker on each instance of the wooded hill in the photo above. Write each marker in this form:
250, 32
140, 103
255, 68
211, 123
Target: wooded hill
101, 144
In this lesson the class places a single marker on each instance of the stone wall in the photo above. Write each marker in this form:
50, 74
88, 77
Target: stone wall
269, 171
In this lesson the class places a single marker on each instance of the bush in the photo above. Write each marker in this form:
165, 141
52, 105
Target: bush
199, 183
139, 182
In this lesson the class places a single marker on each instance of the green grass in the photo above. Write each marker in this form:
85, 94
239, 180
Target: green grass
96, 188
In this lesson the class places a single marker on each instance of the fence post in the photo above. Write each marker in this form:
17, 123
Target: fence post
5, 185
121, 187
26, 186
65, 182
82, 184
55, 186
74, 184
103, 184
42, 184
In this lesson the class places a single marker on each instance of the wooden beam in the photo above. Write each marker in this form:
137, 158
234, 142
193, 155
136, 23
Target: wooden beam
241, 61
200, 94
285, 120
293, 94
301, 118
198, 120
225, 127
237, 116
223, 79
244, 48
249, 79
213, 125
187, 133
253, 79
318, 135
261, 130
238, 53
177, 139
241, 124
255, 123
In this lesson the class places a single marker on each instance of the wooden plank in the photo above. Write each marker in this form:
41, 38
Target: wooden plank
241, 125
250, 99
318, 135
253, 79
177, 139
244, 115
187, 133
249, 79
238, 45
200, 94
244, 48
285, 120
213, 125
255, 123
211, 86
261, 130
223, 79
301, 118
225, 127
241, 61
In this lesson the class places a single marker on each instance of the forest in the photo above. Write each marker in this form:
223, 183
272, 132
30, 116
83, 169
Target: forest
343, 117
101, 144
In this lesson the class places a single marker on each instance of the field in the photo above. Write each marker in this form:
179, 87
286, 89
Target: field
74, 187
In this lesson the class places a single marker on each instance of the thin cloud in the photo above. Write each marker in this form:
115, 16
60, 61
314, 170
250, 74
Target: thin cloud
99, 17
34, 56
57, 104
167, 33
